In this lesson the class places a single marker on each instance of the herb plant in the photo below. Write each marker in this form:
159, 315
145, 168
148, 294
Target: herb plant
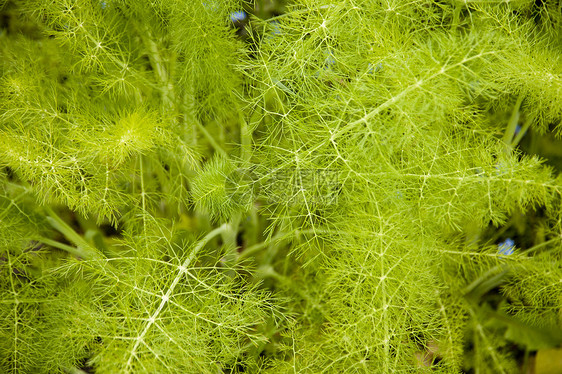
329, 187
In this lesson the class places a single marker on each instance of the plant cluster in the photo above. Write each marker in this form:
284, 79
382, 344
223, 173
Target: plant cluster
356, 186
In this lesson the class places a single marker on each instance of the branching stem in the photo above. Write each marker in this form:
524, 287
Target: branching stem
182, 269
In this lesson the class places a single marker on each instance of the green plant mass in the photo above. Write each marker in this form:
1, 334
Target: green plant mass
309, 186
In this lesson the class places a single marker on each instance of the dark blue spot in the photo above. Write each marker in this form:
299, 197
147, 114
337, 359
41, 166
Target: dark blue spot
506, 247
374, 69
238, 16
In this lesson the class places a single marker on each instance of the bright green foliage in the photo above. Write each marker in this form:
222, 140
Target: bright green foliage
221, 190
325, 195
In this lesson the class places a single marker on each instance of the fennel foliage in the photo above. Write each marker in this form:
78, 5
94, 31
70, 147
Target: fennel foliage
321, 191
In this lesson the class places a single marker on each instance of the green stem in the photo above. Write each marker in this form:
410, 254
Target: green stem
249, 251
189, 114
229, 235
245, 139
83, 250
456, 17
187, 106
201, 243
156, 60
68, 248
522, 132
490, 279
211, 140
512, 124
543, 244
